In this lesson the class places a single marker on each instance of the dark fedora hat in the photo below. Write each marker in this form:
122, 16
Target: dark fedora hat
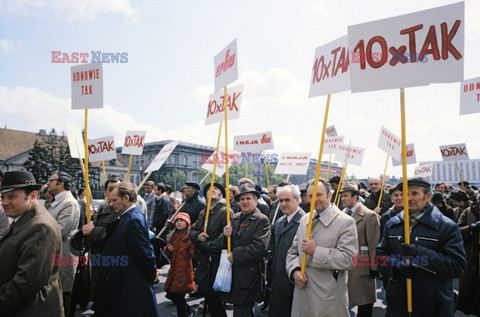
416, 181
465, 183
193, 184
207, 188
350, 187
18, 179
245, 189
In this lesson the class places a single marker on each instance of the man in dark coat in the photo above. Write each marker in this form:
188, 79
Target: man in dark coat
125, 284
284, 230
439, 201
250, 235
469, 288
208, 254
371, 202
436, 252
163, 208
261, 204
193, 204
29, 280
397, 199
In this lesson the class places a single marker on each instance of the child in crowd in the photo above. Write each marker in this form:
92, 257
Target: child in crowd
180, 250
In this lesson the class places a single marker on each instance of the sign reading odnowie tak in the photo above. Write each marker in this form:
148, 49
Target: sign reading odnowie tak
226, 66
87, 86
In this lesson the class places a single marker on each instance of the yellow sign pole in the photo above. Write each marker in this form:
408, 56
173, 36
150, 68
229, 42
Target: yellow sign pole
383, 182
210, 190
315, 185
104, 172
227, 182
87, 183
129, 167
329, 163
266, 170
460, 176
340, 185
406, 215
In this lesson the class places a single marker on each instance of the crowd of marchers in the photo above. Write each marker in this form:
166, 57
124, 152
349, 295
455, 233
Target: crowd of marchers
290, 261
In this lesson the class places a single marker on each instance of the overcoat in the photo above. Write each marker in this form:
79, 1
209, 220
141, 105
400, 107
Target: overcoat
125, 289
29, 281
65, 210
362, 287
325, 293
180, 275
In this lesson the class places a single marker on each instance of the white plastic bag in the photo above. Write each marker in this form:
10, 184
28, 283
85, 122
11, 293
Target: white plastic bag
223, 279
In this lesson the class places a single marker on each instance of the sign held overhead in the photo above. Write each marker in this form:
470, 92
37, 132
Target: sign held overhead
225, 66
87, 86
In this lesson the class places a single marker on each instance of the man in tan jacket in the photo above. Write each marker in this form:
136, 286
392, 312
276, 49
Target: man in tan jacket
361, 280
29, 281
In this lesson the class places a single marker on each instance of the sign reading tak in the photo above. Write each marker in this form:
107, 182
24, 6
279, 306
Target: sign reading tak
87, 86
102, 149
454, 152
133, 143
390, 143
215, 105
424, 170
470, 96
402, 42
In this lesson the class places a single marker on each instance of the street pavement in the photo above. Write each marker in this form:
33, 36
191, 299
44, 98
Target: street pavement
166, 308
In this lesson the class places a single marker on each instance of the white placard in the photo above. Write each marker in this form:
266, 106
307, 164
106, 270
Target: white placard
331, 131
161, 157
226, 66
75, 140
424, 170
133, 143
330, 72
390, 143
87, 86
470, 96
332, 143
411, 157
349, 154
253, 143
409, 50
215, 105
293, 163
208, 161
102, 149
454, 152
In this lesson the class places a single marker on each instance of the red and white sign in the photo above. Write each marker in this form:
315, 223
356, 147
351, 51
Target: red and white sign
331, 131
102, 149
390, 143
75, 140
424, 170
332, 143
226, 66
253, 143
470, 96
87, 86
349, 154
161, 157
454, 152
330, 72
408, 50
234, 158
411, 157
293, 163
215, 105
134, 143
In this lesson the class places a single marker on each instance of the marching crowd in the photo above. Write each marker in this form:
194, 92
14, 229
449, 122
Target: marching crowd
357, 239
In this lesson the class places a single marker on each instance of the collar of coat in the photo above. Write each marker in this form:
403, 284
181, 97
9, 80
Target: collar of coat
432, 217
327, 216
25, 219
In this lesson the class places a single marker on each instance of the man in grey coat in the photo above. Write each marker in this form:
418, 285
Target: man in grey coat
322, 290
29, 282
65, 210
284, 231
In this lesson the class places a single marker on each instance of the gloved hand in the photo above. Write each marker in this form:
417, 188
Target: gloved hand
403, 270
475, 227
409, 249
374, 274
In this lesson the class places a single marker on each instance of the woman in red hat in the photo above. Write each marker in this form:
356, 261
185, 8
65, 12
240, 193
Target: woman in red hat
180, 250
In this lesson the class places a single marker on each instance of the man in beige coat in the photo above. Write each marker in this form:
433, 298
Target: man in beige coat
361, 280
66, 211
322, 291
29, 282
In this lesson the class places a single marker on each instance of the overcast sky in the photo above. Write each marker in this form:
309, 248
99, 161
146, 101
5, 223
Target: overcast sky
164, 86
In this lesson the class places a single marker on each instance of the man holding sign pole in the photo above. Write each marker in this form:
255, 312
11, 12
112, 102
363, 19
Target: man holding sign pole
322, 291
434, 258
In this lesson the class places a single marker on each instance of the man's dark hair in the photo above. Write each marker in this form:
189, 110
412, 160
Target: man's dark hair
65, 178
168, 188
161, 186
439, 184
282, 183
112, 179
125, 188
